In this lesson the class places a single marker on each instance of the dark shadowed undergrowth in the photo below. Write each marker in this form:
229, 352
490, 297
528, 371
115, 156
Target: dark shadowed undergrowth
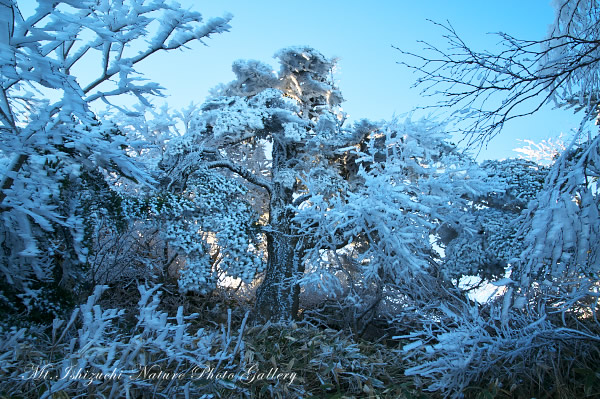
166, 345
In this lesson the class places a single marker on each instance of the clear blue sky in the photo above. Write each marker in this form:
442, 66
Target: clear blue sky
361, 35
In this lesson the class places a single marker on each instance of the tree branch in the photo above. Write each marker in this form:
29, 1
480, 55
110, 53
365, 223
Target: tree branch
486, 90
244, 173
301, 199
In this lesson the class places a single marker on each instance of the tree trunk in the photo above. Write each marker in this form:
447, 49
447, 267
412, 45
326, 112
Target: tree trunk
277, 297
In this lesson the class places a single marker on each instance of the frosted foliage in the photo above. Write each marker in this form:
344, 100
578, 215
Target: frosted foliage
325, 181
412, 181
211, 228
232, 117
294, 131
197, 276
304, 76
328, 127
561, 229
229, 120
544, 152
292, 113
93, 341
466, 345
252, 77
485, 245
375, 192
482, 239
520, 179
394, 237
34, 216
573, 41
52, 141
148, 130
304, 71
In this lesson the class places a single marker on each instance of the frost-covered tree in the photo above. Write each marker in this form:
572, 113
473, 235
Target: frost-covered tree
295, 113
374, 244
550, 302
55, 153
489, 89
371, 193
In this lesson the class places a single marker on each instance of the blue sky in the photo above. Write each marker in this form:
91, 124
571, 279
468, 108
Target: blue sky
361, 35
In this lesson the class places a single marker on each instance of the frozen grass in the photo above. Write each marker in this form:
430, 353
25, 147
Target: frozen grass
463, 353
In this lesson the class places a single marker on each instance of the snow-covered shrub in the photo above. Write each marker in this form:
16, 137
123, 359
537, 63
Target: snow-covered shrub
374, 239
560, 229
97, 353
52, 138
209, 226
465, 347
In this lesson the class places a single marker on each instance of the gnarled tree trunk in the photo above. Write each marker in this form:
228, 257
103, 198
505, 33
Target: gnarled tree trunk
277, 297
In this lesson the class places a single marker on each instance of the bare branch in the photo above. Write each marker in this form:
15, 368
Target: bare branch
486, 90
